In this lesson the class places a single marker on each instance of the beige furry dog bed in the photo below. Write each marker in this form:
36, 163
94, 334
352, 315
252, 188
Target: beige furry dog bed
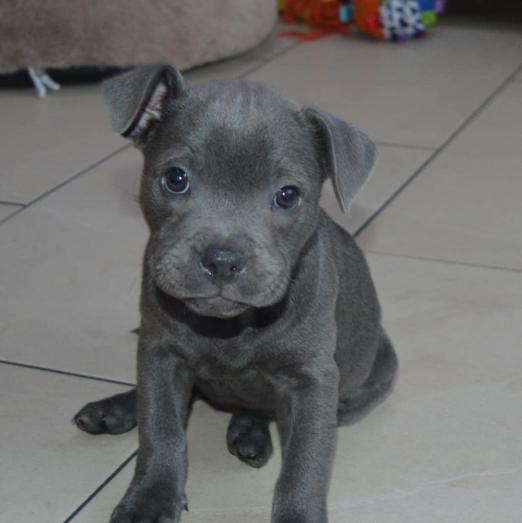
120, 33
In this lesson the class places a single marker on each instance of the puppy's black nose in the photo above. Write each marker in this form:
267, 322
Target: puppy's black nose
222, 264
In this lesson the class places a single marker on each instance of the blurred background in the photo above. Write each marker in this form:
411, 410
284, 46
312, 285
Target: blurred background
437, 85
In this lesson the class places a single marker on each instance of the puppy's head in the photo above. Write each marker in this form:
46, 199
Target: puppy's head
231, 183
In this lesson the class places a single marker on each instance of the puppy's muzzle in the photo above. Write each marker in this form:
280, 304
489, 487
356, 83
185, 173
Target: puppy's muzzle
222, 265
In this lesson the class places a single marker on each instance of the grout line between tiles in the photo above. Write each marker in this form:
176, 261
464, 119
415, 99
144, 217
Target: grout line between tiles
66, 182
12, 204
101, 487
442, 148
265, 61
406, 146
65, 372
443, 260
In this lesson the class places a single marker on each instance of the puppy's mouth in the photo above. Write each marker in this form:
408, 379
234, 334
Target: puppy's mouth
223, 301
216, 306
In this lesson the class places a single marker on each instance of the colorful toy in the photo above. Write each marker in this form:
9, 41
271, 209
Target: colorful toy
430, 9
394, 20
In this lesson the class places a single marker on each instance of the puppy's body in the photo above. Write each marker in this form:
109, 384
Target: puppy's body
261, 308
250, 361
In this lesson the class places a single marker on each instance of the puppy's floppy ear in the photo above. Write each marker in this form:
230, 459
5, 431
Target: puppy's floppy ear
348, 154
137, 97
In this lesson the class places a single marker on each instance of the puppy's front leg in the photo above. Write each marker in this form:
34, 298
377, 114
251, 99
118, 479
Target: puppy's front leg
157, 491
307, 422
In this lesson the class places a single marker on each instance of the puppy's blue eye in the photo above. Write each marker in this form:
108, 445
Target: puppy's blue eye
175, 181
287, 197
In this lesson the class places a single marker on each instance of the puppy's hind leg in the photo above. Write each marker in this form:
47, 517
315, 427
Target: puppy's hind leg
248, 438
113, 415
375, 389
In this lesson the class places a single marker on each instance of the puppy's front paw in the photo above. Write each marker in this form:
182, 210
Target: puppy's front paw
301, 518
113, 415
152, 506
301, 509
130, 515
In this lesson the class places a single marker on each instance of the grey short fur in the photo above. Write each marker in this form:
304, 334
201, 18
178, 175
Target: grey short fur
267, 312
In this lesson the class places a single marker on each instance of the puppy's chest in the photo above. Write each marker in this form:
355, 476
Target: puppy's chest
249, 388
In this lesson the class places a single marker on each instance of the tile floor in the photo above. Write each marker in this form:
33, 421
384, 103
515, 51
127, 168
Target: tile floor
440, 220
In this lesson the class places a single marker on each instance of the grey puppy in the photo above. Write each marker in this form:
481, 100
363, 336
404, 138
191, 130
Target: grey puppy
253, 299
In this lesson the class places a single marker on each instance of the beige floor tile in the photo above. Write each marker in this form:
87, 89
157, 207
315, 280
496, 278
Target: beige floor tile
443, 448
6, 210
478, 497
48, 466
46, 141
393, 167
231, 68
417, 93
466, 205
70, 274
275, 44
